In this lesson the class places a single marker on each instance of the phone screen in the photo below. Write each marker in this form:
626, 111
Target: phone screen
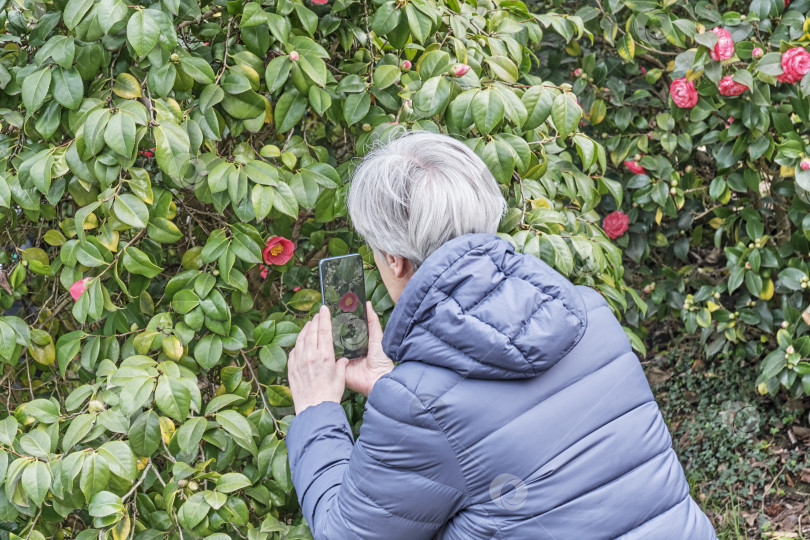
343, 291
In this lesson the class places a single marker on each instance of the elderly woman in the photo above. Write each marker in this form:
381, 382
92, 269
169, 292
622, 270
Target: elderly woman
503, 401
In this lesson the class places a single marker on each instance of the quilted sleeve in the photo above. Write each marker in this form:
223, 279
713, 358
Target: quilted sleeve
401, 480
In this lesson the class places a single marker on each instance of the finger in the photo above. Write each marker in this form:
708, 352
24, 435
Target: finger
374, 327
340, 369
325, 330
302, 336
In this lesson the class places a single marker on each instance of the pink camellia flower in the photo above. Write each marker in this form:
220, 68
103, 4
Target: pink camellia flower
683, 93
319, 1
349, 302
406, 65
634, 167
278, 250
724, 48
296, 289
264, 271
729, 87
615, 224
459, 70
804, 164
757, 52
795, 64
294, 56
78, 288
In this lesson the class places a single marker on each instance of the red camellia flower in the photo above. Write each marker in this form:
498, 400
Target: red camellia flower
724, 48
78, 288
615, 224
634, 167
459, 70
729, 87
264, 271
683, 93
278, 250
795, 64
349, 302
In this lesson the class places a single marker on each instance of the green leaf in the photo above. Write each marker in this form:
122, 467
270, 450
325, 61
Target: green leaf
184, 301
208, 351
137, 262
120, 133
190, 433
356, 106
95, 475
279, 395
36, 443
131, 210
566, 114
487, 110
67, 87
75, 10
172, 148
144, 435
105, 504
79, 427
173, 398
36, 480
290, 109
120, 459
34, 89
230, 482
8, 430
142, 32
432, 97
198, 69
245, 105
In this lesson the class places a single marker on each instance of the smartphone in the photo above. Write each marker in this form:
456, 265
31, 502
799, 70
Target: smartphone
343, 291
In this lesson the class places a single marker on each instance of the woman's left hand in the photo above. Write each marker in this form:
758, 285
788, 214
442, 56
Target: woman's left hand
313, 373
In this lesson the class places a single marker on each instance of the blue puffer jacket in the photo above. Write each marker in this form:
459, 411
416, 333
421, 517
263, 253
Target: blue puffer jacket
518, 411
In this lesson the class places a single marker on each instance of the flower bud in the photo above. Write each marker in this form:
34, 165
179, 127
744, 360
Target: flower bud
577, 72
96, 406
459, 70
784, 324
294, 56
174, 58
688, 168
757, 52
405, 65
790, 349
804, 164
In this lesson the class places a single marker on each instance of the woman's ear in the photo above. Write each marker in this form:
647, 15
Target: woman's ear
400, 266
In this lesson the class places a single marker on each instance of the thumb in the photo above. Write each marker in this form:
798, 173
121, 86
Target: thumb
340, 366
374, 327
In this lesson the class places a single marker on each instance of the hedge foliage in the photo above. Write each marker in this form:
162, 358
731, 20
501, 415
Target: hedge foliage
719, 230
171, 174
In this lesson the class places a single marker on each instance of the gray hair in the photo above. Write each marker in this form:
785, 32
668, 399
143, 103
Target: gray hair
421, 189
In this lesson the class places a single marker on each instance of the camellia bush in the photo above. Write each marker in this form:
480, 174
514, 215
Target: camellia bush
705, 116
170, 176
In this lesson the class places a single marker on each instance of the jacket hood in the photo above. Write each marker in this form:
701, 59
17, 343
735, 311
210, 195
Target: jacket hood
479, 308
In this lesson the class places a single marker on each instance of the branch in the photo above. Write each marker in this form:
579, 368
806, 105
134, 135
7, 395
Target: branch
206, 15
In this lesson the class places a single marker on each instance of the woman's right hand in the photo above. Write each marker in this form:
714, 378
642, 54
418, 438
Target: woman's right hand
362, 373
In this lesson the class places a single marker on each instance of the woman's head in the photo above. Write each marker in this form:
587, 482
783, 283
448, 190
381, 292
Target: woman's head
413, 194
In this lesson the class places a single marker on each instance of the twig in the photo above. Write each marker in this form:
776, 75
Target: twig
206, 15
